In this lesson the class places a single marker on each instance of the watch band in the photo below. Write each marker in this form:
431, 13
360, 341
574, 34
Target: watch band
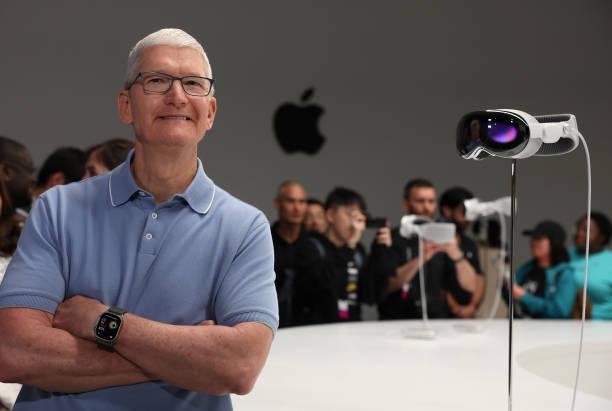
116, 310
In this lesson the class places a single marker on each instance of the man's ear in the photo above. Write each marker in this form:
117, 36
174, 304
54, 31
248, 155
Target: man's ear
212, 111
329, 215
124, 107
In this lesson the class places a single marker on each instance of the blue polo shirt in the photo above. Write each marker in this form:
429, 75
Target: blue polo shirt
202, 255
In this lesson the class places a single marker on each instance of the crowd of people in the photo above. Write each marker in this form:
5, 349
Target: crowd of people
324, 273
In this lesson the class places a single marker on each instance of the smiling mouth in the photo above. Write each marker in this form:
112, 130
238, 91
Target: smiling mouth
174, 118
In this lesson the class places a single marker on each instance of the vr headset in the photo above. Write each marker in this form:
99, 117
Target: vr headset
515, 134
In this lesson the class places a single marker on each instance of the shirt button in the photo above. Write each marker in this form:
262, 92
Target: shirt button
148, 236
154, 216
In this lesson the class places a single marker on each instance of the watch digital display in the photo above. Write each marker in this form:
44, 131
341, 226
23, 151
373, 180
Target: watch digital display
108, 327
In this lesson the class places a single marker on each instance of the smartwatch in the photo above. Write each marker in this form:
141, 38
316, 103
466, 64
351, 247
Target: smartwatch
108, 327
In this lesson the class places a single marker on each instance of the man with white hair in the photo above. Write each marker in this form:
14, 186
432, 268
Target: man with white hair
190, 266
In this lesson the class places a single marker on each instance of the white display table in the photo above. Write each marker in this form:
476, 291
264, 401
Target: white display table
371, 366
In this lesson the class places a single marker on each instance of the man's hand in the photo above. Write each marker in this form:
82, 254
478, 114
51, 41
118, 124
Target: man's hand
429, 249
452, 249
78, 315
465, 311
518, 292
383, 236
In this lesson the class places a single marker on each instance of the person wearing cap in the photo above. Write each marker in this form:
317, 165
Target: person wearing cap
545, 285
599, 290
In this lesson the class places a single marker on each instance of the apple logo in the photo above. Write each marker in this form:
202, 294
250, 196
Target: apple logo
296, 126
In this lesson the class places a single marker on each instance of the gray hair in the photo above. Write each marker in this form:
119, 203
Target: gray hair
163, 37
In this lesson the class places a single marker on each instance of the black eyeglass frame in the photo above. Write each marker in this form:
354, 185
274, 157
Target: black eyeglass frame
141, 75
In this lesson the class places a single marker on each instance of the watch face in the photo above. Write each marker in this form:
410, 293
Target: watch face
108, 327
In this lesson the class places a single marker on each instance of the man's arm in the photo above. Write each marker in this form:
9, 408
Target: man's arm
32, 352
407, 271
212, 359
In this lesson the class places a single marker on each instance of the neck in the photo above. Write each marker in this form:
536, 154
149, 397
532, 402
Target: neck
544, 262
164, 173
288, 231
334, 238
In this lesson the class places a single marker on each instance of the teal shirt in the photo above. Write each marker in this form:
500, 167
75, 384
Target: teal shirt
559, 296
599, 287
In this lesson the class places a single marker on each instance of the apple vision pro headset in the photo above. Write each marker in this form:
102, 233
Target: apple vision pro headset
516, 135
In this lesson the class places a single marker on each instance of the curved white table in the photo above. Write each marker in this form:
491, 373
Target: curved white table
372, 366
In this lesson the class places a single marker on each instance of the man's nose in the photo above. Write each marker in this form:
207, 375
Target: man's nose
176, 94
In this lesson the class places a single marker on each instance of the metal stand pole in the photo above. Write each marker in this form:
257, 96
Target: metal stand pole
511, 285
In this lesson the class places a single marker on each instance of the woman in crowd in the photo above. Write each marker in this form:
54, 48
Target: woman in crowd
105, 156
599, 290
545, 285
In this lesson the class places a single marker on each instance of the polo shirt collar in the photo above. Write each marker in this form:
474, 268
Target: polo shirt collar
199, 195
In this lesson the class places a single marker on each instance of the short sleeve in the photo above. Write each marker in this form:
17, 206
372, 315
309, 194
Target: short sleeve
247, 292
34, 277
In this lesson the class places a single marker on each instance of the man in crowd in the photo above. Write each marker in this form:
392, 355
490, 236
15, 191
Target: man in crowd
287, 233
315, 219
334, 275
190, 266
466, 287
443, 264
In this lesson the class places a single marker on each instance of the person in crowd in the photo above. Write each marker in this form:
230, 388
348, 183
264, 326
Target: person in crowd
334, 276
544, 285
65, 165
403, 297
287, 234
16, 179
466, 288
599, 286
171, 275
17, 172
315, 216
315, 220
105, 156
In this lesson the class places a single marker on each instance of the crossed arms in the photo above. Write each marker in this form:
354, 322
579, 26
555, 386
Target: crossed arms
58, 353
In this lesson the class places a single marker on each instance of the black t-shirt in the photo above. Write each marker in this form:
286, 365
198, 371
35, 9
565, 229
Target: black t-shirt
331, 282
437, 272
285, 261
470, 252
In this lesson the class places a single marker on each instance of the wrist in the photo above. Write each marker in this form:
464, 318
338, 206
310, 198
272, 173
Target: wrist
457, 258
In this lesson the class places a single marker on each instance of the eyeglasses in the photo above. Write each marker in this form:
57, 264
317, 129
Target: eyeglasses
160, 83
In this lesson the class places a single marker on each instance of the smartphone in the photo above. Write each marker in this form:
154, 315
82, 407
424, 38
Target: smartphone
376, 222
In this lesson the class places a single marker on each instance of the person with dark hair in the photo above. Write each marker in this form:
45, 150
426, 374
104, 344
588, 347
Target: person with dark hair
315, 220
65, 165
17, 172
544, 285
334, 275
402, 296
16, 178
105, 156
287, 234
599, 289
466, 287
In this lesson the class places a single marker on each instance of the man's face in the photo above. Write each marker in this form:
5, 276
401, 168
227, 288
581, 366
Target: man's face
596, 238
175, 118
315, 219
291, 204
345, 220
421, 201
456, 215
19, 179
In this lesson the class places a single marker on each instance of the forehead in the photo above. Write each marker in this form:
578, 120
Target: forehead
293, 191
423, 192
172, 60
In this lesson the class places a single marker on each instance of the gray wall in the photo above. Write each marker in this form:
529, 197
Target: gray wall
394, 77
